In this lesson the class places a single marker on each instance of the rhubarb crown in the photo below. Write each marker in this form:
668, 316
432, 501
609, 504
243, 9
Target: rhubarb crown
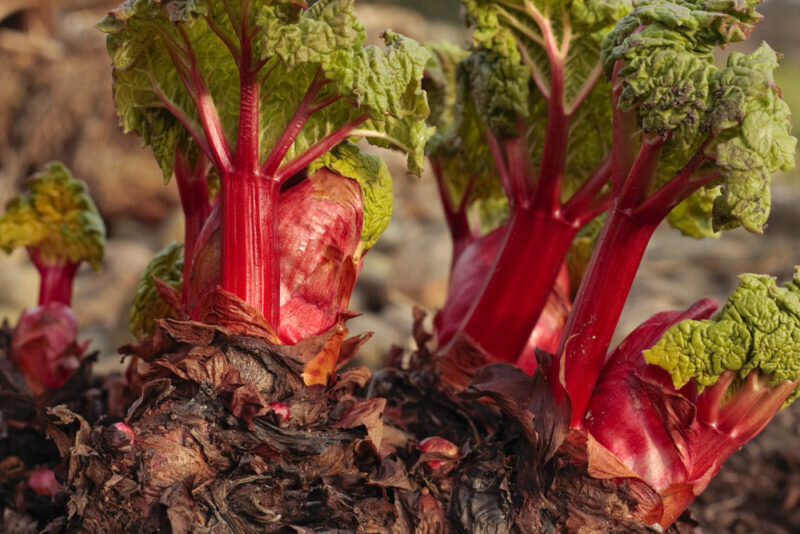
758, 330
57, 217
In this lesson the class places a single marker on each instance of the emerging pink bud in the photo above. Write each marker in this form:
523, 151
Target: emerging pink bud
447, 448
44, 346
281, 410
43, 482
119, 435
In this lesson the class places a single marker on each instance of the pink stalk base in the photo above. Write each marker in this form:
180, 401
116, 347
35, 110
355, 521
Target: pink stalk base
250, 267
519, 284
56, 279
193, 190
597, 308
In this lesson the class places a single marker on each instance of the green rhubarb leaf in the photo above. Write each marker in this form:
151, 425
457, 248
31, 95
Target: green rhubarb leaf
159, 48
439, 84
373, 176
57, 217
460, 147
757, 329
753, 127
383, 84
693, 216
510, 60
148, 305
142, 35
735, 115
315, 37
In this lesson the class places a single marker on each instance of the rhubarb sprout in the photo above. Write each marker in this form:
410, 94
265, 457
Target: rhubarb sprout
58, 219
148, 303
753, 342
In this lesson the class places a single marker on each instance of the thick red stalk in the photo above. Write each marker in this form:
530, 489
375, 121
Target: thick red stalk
624, 133
250, 262
193, 190
519, 284
55, 284
597, 308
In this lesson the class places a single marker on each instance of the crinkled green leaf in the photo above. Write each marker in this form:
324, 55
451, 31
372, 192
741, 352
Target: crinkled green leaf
500, 82
670, 80
460, 148
57, 217
137, 32
757, 329
693, 216
754, 138
148, 306
439, 83
376, 186
146, 37
498, 86
324, 29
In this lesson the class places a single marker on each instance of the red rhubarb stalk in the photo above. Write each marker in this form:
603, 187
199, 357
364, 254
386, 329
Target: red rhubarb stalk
55, 279
193, 190
597, 308
524, 268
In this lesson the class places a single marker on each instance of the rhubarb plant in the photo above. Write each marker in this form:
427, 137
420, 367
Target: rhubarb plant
522, 156
690, 139
686, 390
266, 95
59, 225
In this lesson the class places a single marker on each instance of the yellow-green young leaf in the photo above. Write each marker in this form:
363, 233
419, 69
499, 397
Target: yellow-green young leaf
57, 217
758, 329
693, 216
148, 306
376, 186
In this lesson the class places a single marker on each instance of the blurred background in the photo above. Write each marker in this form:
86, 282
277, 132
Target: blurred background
55, 104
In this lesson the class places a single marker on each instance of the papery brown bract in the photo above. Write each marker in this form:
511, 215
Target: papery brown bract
44, 345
